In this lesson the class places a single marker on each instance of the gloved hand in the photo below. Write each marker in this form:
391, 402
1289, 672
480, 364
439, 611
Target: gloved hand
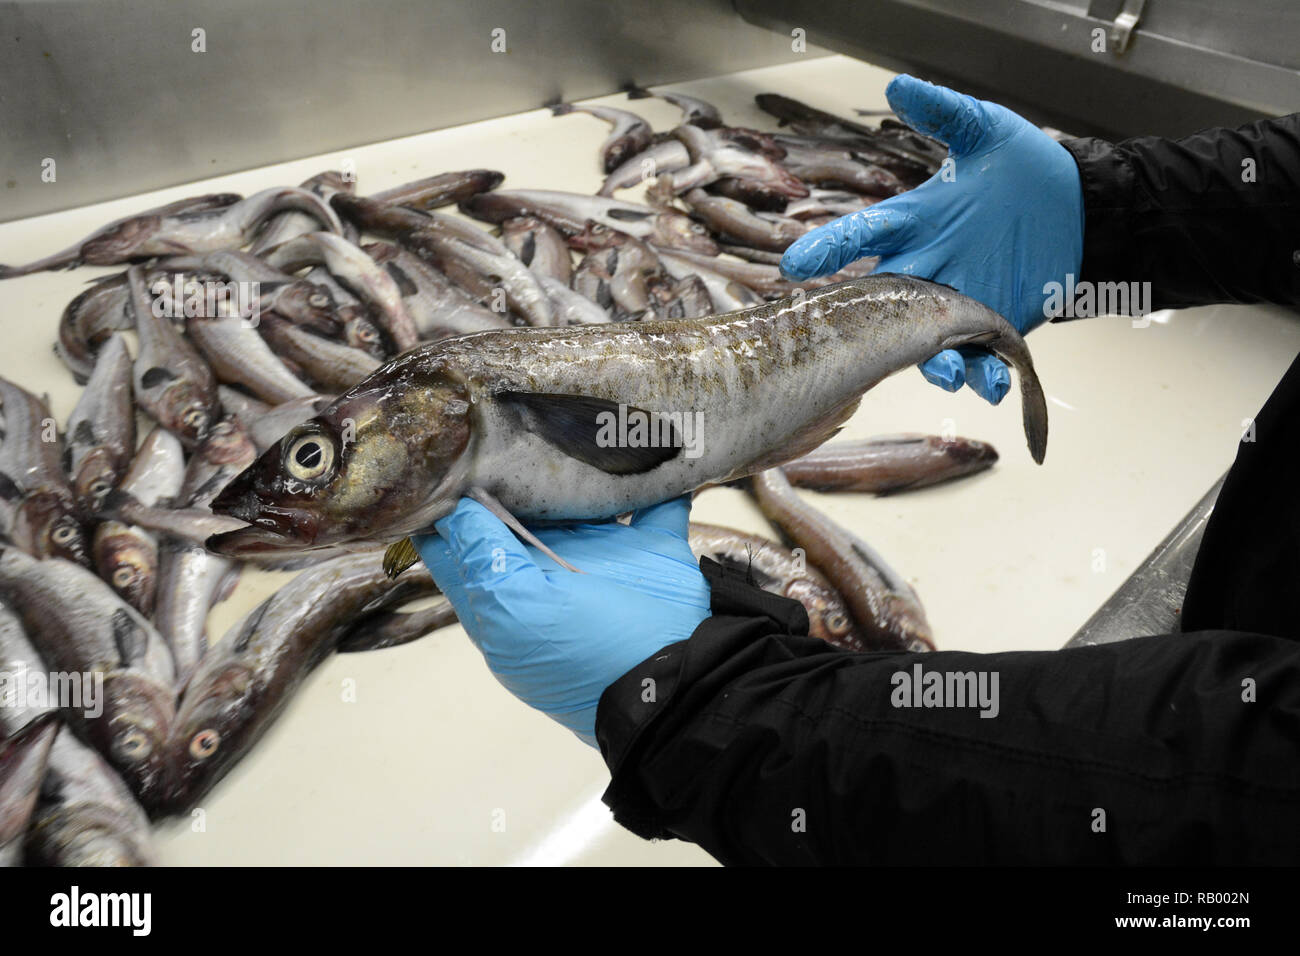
557, 639
1009, 220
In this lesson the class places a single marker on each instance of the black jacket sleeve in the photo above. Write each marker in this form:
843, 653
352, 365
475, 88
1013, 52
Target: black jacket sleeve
769, 747
1214, 217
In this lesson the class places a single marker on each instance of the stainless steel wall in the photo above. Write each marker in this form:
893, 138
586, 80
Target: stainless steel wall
114, 93
1189, 63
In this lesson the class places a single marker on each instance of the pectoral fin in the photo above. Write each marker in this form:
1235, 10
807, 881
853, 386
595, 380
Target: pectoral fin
513, 523
588, 429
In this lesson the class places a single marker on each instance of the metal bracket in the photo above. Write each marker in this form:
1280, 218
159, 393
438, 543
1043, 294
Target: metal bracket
1122, 27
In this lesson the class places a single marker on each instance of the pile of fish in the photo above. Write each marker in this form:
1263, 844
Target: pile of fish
324, 372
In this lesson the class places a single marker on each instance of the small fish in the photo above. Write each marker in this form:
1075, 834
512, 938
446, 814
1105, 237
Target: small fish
629, 133
283, 226
172, 382
191, 580
842, 170
238, 355
101, 429
37, 506
572, 307
329, 365
394, 628
356, 270
694, 110
889, 463
75, 255
85, 815
24, 757
477, 261
715, 157
886, 610
570, 213
776, 569
251, 673
98, 633
484, 415
298, 300
439, 307
444, 189
657, 159
735, 221
538, 246
126, 557
89, 321
727, 294
225, 227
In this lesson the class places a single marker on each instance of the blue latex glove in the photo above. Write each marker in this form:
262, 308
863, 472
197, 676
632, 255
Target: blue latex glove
556, 639
1009, 221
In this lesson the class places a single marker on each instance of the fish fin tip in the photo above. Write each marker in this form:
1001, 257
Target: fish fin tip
489, 501
398, 557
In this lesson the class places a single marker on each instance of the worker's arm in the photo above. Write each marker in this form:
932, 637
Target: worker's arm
766, 747
1212, 217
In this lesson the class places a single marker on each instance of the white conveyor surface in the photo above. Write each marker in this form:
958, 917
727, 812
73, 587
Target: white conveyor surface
434, 763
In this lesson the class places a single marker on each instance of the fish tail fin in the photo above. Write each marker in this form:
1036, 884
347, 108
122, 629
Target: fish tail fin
1002, 339
635, 92
1008, 344
560, 109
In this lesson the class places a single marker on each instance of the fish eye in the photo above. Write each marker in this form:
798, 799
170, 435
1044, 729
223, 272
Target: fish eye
367, 334
318, 300
63, 534
132, 745
310, 456
697, 228
99, 486
837, 623
204, 744
195, 419
123, 577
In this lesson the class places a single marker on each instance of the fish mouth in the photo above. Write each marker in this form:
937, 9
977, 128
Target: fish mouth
253, 541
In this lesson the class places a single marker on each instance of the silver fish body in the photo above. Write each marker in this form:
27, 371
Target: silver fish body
590, 422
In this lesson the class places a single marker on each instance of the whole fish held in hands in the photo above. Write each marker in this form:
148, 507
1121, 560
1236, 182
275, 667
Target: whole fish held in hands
528, 420
889, 463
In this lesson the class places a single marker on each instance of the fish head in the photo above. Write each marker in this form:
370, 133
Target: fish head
677, 231
217, 721
132, 732
596, 236
128, 560
184, 407
361, 333
828, 619
96, 475
383, 461
309, 304
49, 522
